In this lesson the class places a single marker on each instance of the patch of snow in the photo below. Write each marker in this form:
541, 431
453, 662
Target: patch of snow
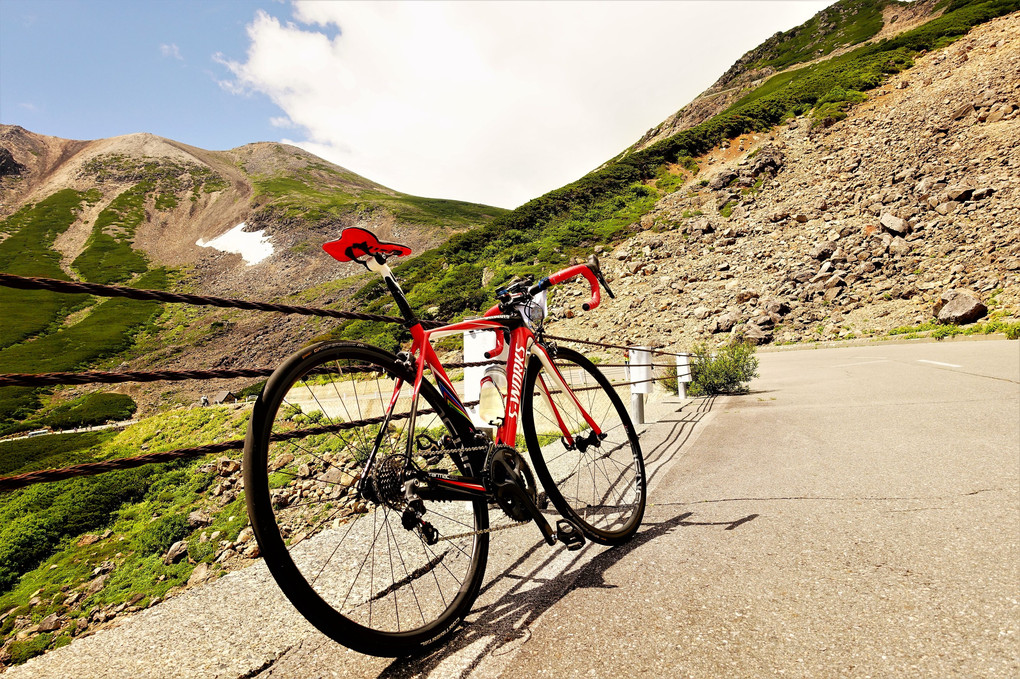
253, 246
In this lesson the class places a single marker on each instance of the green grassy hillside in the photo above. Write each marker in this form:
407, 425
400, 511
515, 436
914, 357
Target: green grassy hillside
51, 332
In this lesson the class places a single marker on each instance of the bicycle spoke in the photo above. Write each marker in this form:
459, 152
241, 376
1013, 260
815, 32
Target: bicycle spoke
367, 567
597, 478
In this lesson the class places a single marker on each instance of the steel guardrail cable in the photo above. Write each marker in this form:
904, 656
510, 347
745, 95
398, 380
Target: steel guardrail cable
97, 377
78, 287
610, 346
10, 483
141, 294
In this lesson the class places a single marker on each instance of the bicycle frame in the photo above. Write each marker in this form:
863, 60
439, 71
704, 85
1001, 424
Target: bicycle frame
522, 346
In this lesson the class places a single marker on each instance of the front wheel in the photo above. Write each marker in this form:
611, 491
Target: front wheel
343, 542
594, 478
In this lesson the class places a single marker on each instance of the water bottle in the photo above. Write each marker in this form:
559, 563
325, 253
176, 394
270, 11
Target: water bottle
490, 400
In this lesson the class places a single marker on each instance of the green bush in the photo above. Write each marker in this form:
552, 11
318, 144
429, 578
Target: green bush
162, 533
28, 251
727, 371
90, 409
669, 379
36, 519
29, 648
41, 452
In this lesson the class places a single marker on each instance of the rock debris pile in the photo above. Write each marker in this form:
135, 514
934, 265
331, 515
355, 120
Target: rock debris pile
906, 211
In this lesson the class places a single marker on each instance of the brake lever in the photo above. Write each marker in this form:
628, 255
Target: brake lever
593, 265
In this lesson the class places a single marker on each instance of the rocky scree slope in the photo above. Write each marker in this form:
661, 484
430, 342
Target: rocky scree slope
809, 233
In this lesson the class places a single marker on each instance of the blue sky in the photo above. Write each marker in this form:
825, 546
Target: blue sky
492, 102
88, 70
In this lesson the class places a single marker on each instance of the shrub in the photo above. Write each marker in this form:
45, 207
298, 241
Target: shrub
29, 648
163, 533
726, 372
669, 379
91, 409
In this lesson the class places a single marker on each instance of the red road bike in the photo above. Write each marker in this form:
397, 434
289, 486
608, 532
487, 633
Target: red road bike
370, 488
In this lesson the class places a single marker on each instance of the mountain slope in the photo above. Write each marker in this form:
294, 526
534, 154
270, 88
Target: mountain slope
830, 33
603, 206
805, 233
150, 212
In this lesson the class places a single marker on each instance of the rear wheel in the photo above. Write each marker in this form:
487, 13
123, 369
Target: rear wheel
348, 551
598, 482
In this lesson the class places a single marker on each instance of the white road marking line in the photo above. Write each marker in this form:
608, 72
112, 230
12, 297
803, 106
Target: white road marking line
850, 365
948, 365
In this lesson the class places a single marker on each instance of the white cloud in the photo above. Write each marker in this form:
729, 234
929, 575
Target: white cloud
171, 51
494, 102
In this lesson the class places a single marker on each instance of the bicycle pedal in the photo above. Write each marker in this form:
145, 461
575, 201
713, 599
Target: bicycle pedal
569, 535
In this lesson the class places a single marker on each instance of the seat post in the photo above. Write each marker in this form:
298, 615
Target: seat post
377, 264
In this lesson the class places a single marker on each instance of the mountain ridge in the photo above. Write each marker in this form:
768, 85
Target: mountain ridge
755, 66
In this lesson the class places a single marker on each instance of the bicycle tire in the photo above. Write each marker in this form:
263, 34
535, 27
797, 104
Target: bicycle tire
602, 487
377, 587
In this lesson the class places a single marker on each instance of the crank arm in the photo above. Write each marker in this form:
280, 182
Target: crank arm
536, 515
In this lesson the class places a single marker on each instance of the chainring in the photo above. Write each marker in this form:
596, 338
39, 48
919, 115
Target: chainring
509, 476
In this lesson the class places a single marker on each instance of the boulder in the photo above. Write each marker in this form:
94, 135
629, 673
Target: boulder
201, 574
752, 333
768, 159
334, 475
893, 223
963, 111
959, 192
777, 306
198, 518
725, 322
802, 276
227, 466
834, 281
960, 306
178, 551
745, 295
898, 246
50, 623
832, 293
722, 180
97, 584
823, 250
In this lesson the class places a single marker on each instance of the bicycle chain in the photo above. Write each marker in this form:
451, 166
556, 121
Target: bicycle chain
484, 530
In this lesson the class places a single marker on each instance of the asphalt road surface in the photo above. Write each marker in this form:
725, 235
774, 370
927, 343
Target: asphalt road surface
856, 515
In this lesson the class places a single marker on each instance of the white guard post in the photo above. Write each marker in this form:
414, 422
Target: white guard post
683, 374
640, 371
476, 343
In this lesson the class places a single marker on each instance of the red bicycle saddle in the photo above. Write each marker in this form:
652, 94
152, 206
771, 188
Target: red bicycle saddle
356, 243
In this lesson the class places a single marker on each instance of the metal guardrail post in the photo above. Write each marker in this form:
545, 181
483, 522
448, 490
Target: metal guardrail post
641, 372
683, 374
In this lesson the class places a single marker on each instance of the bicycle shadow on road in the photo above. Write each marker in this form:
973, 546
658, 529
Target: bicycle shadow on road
501, 627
